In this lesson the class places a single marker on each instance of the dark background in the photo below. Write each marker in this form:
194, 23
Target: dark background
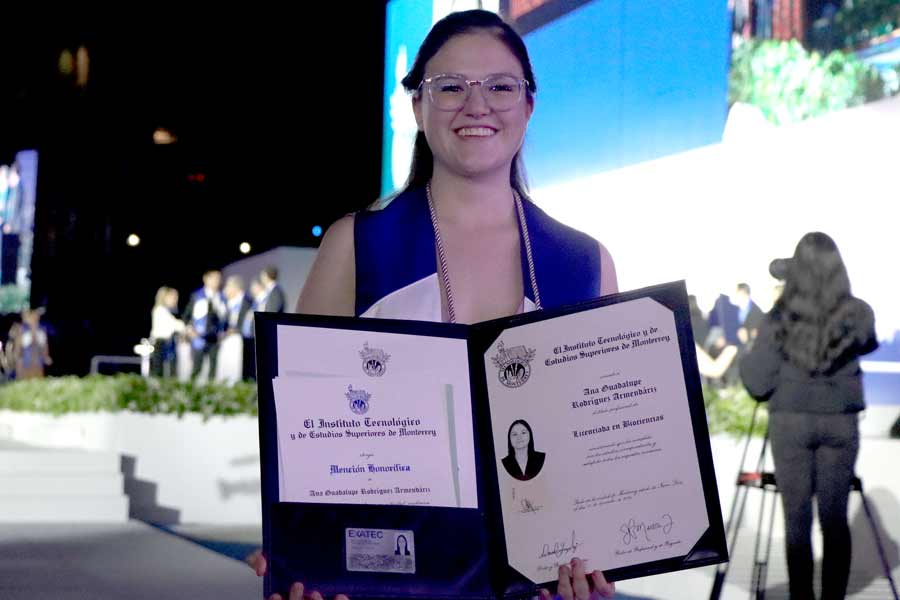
280, 114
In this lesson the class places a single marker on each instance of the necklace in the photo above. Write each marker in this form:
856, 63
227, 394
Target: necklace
442, 255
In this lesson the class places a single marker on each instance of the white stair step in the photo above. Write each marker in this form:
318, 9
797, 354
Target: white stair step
60, 484
68, 509
59, 461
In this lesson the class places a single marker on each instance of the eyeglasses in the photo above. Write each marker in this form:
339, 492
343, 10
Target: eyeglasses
451, 92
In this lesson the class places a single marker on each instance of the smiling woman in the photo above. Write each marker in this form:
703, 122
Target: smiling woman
463, 242
493, 119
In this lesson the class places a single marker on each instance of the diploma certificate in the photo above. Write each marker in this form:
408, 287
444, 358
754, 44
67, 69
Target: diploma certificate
408, 459
601, 400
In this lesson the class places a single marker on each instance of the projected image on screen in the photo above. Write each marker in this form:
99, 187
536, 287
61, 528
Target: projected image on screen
526, 15
18, 186
652, 133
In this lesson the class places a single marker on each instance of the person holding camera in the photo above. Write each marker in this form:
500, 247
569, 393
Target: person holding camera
805, 362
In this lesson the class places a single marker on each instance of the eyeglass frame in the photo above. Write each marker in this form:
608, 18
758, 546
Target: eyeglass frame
524, 84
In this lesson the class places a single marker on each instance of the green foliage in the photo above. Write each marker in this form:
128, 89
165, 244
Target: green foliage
862, 20
97, 393
730, 410
789, 84
13, 299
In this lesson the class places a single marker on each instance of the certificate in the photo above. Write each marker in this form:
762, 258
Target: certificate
591, 426
427, 460
407, 369
365, 442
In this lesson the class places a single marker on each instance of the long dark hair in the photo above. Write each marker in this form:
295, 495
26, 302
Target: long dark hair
512, 451
454, 24
816, 316
405, 545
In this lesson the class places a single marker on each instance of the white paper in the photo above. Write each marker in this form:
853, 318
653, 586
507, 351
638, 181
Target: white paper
603, 392
365, 441
326, 352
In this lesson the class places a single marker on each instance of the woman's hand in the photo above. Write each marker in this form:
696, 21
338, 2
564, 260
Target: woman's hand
575, 584
258, 563
297, 594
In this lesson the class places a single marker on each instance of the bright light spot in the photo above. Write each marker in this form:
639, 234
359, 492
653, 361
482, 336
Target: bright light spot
245, 248
145, 348
133, 240
316, 231
163, 136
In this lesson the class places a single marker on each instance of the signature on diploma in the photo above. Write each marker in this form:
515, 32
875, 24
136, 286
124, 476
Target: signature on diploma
560, 549
633, 529
527, 506
366, 456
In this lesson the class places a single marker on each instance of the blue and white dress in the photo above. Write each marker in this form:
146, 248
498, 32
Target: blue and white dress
396, 262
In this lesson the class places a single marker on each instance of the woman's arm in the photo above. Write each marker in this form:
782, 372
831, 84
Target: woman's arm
171, 322
609, 283
714, 368
761, 365
330, 287
867, 340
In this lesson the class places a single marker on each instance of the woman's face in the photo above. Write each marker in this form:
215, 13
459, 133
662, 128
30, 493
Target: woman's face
473, 141
171, 299
518, 436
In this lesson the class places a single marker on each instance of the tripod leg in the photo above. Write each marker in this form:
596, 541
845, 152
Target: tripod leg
737, 504
884, 562
760, 566
764, 566
722, 568
718, 582
734, 501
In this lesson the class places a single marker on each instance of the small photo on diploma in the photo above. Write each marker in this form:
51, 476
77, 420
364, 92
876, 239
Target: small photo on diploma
522, 461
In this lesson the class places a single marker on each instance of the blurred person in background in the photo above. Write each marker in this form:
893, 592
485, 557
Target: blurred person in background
749, 314
274, 294
240, 309
805, 362
28, 346
257, 297
205, 316
164, 329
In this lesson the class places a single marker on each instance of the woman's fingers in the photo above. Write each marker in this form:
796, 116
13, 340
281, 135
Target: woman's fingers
580, 587
576, 584
564, 586
257, 562
606, 589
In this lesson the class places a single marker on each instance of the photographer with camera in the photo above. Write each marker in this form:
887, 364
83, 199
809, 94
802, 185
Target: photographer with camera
805, 362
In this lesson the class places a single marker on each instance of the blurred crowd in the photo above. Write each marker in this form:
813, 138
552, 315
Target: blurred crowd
214, 314
725, 334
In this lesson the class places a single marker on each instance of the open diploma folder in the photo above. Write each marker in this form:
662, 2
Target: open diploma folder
405, 459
